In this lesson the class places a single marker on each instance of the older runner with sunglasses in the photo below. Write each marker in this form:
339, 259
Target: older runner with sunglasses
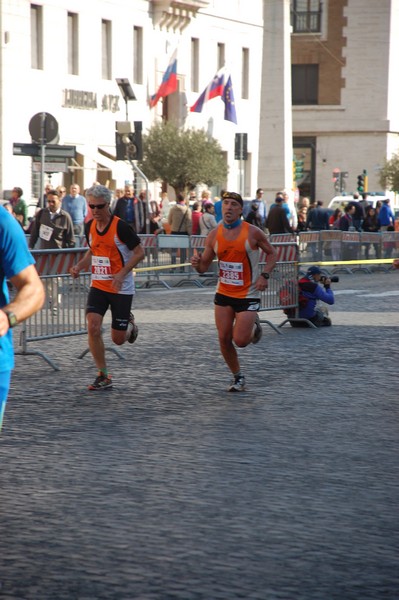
236, 245
114, 250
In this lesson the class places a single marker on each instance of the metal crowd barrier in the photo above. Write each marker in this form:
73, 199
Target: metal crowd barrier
166, 262
342, 246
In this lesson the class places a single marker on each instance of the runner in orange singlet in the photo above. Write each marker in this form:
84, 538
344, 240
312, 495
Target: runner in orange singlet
236, 244
114, 250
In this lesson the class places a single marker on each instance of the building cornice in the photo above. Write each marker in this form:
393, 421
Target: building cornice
176, 14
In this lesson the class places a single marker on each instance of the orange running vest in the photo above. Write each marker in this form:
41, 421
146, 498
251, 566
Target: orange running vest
238, 264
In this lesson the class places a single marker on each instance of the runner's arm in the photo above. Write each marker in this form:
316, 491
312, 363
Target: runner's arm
201, 261
28, 300
271, 257
82, 265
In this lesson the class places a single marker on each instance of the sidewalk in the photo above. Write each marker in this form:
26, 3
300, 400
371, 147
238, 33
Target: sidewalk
167, 487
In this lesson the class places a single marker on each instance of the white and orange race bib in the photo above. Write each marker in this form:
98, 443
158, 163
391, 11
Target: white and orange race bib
231, 273
101, 268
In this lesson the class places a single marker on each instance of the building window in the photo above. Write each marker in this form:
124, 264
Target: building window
194, 64
73, 44
245, 74
106, 49
138, 55
36, 33
305, 84
221, 57
306, 16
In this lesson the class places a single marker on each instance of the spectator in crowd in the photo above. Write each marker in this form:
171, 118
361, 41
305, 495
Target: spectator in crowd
385, 216
302, 216
165, 208
195, 219
370, 225
218, 207
61, 192
205, 197
364, 203
358, 214
114, 251
75, 204
180, 222
345, 223
52, 226
19, 206
389, 245
333, 220
317, 219
130, 209
17, 266
254, 217
261, 210
236, 244
310, 294
277, 221
207, 220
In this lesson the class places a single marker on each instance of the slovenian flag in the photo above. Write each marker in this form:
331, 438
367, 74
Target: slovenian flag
168, 83
213, 89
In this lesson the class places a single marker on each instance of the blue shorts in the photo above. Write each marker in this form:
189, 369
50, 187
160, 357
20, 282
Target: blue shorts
5, 378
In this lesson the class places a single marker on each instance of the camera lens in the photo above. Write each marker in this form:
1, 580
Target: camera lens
334, 279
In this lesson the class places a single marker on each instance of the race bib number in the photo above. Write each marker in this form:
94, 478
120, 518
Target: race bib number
45, 232
101, 267
231, 273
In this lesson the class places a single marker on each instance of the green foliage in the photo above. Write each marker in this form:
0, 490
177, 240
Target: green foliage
389, 174
182, 157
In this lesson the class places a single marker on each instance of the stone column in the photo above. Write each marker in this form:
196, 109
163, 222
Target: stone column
275, 139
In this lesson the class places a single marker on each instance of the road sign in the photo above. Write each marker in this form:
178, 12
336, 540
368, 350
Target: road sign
53, 151
43, 128
59, 166
241, 146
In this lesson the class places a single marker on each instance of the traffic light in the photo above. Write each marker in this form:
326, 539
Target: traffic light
298, 169
128, 143
360, 183
366, 181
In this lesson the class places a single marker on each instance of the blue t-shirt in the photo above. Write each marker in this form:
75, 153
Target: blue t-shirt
14, 258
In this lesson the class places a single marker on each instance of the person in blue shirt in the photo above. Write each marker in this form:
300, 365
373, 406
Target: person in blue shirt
16, 266
75, 204
310, 294
386, 216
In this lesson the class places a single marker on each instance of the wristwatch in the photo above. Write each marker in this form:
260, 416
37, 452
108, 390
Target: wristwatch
12, 319
265, 275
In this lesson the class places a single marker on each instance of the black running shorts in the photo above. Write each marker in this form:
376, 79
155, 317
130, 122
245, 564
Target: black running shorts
238, 304
99, 301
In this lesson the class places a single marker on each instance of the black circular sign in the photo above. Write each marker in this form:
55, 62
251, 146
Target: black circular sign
43, 128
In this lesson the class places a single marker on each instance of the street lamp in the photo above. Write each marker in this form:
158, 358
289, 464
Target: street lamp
126, 91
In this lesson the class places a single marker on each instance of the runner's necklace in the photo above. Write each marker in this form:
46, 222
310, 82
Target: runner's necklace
232, 225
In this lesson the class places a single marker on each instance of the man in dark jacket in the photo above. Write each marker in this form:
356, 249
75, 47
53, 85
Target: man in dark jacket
52, 226
277, 221
130, 209
317, 219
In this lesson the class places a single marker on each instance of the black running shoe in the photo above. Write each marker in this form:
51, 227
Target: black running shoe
133, 330
101, 382
238, 384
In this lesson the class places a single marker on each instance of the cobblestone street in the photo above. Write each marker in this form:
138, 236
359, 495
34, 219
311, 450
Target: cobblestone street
167, 487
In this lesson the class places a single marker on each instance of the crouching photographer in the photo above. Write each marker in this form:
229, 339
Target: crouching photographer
313, 288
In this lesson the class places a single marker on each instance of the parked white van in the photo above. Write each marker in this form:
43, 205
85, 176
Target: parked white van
342, 201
